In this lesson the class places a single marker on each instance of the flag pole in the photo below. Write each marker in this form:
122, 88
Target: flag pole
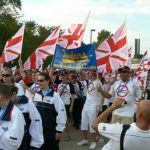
22, 41
51, 65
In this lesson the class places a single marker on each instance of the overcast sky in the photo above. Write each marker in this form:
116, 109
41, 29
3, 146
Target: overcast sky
105, 14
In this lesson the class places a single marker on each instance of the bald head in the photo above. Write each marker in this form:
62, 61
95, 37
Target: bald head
143, 110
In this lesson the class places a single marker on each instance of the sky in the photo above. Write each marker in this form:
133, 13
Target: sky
105, 14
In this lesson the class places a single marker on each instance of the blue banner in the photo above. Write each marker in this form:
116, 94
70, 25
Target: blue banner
82, 58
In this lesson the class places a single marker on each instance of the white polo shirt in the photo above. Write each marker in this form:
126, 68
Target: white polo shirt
93, 96
135, 138
64, 91
128, 91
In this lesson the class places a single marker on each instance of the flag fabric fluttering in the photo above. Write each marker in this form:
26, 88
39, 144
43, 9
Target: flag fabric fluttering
73, 36
80, 59
113, 52
47, 48
128, 62
142, 70
13, 47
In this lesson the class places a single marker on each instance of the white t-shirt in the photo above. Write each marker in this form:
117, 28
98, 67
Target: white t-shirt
135, 138
93, 96
128, 91
106, 101
64, 91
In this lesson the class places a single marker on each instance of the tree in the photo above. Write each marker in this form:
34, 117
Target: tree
13, 3
8, 27
103, 35
34, 35
10, 7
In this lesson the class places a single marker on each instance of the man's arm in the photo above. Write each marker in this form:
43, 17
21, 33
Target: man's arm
61, 117
105, 94
21, 68
103, 117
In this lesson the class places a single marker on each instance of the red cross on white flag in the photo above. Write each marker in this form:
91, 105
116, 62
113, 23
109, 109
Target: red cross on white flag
73, 36
113, 52
13, 47
142, 70
46, 49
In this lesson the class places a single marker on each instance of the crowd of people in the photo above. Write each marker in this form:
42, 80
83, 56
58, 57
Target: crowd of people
36, 107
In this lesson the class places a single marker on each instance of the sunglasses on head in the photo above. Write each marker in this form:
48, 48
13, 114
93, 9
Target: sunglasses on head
40, 80
6, 75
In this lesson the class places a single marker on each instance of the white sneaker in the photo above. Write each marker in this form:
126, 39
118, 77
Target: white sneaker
83, 142
92, 146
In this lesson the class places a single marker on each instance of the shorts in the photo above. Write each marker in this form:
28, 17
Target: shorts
122, 119
89, 114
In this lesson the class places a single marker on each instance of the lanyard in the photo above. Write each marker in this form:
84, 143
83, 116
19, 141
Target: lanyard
46, 92
1, 116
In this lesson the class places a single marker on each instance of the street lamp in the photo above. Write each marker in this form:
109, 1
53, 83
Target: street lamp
92, 30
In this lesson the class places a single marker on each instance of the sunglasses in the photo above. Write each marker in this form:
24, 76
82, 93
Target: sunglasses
6, 75
40, 80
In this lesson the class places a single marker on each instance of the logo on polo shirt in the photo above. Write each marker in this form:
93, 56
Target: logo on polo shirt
5, 128
122, 91
104, 128
91, 87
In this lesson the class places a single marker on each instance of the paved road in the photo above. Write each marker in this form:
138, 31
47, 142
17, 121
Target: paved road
76, 137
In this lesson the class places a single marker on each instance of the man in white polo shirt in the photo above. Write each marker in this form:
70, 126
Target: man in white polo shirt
136, 136
127, 90
90, 110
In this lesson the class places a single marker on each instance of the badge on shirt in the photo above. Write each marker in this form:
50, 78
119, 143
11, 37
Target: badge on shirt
48, 99
38, 98
5, 128
104, 128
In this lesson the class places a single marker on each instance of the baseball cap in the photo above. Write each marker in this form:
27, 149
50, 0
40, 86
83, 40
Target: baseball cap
125, 69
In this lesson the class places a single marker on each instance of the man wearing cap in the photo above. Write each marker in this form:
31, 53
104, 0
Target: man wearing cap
90, 110
127, 90
66, 91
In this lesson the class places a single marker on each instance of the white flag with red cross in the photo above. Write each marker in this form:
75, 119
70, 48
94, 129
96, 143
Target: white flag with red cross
142, 70
128, 62
113, 52
47, 48
73, 36
13, 47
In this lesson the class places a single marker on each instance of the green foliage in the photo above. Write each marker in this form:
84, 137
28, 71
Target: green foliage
103, 35
11, 7
34, 35
13, 3
8, 26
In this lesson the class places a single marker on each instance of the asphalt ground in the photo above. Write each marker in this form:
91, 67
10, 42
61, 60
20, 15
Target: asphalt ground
76, 137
